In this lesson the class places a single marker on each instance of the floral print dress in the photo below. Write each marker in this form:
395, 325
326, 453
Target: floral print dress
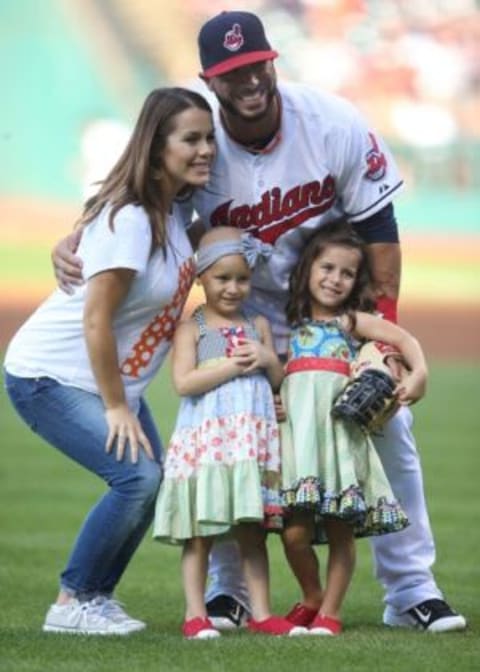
329, 466
222, 464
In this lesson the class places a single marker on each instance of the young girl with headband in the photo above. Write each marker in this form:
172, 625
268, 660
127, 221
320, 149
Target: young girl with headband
222, 469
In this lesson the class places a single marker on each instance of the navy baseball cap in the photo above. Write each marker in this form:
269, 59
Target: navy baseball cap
231, 40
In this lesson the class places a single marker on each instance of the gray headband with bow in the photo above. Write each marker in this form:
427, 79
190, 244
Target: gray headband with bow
249, 247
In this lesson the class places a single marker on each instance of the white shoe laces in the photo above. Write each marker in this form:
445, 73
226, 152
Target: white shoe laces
91, 615
113, 610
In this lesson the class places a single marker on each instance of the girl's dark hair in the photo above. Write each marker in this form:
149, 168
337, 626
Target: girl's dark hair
339, 232
138, 174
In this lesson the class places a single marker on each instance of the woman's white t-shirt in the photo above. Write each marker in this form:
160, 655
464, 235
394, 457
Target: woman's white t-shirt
52, 341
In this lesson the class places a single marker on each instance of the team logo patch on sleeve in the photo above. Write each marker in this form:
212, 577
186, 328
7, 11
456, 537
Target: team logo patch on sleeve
375, 160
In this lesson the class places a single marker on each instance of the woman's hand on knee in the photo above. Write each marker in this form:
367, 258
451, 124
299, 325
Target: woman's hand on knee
124, 428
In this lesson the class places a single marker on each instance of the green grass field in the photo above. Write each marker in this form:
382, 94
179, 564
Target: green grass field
43, 500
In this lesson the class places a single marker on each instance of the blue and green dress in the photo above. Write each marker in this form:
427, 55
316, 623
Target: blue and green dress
330, 466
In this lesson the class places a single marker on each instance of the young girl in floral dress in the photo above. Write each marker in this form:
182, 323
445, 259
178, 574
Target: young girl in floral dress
222, 469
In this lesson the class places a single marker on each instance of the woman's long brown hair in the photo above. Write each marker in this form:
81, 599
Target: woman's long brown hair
299, 306
137, 175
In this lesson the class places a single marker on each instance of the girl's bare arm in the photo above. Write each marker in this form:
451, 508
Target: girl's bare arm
413, 384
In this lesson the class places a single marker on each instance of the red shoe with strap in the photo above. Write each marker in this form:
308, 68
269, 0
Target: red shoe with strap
276, 625
301, 615
199, 628
325, 625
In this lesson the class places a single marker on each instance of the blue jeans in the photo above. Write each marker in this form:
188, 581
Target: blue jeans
73, 421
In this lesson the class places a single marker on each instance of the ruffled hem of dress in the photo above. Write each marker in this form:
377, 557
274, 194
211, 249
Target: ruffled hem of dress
349, 505
223, 440
214, 500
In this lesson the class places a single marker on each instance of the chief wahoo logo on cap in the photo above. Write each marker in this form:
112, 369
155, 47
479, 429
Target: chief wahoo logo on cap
233, 38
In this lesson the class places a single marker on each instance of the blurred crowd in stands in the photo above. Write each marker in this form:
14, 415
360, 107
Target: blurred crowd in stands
412, 66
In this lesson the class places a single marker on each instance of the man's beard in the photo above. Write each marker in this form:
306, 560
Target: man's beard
229, 107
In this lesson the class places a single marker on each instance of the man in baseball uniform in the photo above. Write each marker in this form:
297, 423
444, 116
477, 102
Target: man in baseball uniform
290, 159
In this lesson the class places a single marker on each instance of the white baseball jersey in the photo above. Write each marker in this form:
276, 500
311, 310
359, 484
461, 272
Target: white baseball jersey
52, 342
325, 163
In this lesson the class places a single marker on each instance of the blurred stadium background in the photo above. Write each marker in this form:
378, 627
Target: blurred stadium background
75, 73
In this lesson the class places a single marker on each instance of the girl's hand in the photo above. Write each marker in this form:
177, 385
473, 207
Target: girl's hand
252, 355
280, 413
123, 426
234, 366
397, 368
411, 388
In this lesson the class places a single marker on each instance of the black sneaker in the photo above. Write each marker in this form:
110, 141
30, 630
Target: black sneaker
226, 613
432, 616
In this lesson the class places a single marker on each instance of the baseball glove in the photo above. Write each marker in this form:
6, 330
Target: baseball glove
368, 398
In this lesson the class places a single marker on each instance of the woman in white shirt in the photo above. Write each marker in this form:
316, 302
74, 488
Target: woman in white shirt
77, 369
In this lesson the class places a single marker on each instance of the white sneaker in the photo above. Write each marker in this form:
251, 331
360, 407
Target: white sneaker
226, 613
114, 610
83, 618
430, 616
